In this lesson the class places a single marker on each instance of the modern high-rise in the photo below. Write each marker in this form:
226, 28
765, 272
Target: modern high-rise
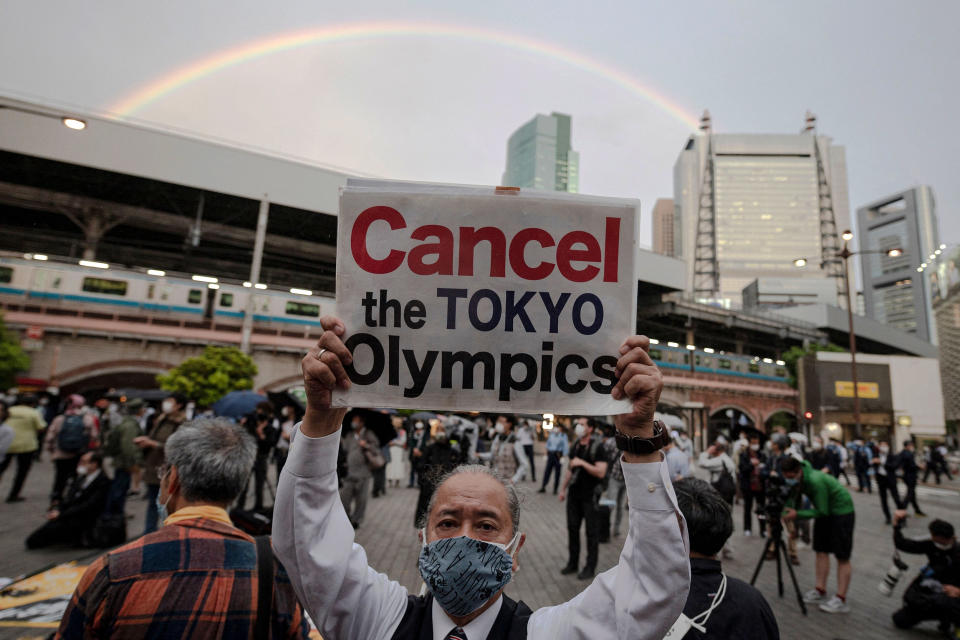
900, 290
946, 309
748, 205
663, 227
539, 155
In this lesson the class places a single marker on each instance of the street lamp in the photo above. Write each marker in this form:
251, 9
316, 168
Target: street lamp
845, 254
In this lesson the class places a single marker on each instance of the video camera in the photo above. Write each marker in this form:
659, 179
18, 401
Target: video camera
777, 493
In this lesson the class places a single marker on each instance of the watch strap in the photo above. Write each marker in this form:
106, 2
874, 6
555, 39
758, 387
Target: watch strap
644, 446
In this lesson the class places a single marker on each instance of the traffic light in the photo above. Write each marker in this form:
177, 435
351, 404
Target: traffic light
808, 415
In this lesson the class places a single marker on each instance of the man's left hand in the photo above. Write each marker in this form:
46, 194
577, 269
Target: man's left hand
576, 462
789, 514
951, 591
53, 514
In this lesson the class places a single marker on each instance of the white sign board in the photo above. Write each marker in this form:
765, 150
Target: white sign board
463, 298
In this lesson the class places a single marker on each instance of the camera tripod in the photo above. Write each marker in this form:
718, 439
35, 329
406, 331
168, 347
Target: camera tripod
776, 544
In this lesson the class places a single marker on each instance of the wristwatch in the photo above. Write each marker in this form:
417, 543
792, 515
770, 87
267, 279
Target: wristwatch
644, 446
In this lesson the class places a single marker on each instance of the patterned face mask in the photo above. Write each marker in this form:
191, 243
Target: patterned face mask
463, 573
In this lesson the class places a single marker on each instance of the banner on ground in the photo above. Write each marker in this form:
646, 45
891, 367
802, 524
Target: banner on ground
472, 298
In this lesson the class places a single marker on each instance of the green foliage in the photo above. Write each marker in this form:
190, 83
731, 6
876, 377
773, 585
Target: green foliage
792, 356
208, 377
13, 359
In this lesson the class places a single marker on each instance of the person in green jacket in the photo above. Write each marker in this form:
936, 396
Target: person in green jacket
125, 454
832, 511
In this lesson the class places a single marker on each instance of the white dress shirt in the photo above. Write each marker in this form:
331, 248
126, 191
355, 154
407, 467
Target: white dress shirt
639, 599
479, 627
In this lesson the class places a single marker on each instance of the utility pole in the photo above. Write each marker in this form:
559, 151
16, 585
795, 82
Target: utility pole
247, 330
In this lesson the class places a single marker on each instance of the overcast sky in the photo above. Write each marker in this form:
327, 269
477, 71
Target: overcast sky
881, 76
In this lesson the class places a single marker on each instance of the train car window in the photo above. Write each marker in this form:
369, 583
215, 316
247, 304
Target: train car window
686, 358
781, 372
697, 360
6, 274
103, 285
165, 293
195, 296
724, 363
302, 309
656, 354
754, 368
226, 299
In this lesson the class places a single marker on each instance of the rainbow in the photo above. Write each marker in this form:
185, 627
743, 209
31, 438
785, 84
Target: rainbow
198, 69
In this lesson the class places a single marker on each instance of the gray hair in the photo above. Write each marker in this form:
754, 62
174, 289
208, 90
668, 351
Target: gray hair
213, 457
513, 498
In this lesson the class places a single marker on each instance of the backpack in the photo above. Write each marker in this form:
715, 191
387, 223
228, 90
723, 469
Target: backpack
725, 485
72, 437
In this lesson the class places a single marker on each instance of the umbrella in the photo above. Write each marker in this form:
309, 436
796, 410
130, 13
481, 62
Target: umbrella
379, 423
237, 404
423, 415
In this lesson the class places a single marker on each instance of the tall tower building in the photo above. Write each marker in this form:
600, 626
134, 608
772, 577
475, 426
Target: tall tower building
900, 290
748, 205
539, 155
663, 227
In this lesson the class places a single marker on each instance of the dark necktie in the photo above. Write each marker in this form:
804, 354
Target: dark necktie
456, 634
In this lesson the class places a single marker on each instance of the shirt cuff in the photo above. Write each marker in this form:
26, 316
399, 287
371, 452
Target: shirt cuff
312, 457
647, 484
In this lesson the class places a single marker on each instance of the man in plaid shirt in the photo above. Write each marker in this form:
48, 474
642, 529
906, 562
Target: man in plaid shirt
197, 576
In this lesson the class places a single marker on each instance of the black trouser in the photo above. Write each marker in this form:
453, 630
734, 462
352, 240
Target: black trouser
884, 485
939, 607
259, 480
553, 464
60, 531
749, 496
582, 508
938, 469
528, 450
863, 480
64, 471
380, 481
911, 497
24, 460
117, 497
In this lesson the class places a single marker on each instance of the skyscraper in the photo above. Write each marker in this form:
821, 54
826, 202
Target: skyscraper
663, 227
539, 155
900, 290
748, 205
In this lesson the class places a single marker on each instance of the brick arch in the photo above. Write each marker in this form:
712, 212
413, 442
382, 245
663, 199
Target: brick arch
78, 374
714, 410
282, 383
785, 409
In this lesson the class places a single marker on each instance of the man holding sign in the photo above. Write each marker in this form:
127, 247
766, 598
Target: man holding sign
471, 535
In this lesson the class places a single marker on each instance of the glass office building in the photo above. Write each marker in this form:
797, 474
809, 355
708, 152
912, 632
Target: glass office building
900, 290
540, 156
765, 196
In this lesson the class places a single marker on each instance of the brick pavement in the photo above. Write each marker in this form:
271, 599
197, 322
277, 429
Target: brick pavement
390, 539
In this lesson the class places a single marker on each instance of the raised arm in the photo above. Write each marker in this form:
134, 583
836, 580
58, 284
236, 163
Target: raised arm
642, 596
311, 533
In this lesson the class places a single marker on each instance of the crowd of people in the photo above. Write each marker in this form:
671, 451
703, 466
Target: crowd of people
195, 471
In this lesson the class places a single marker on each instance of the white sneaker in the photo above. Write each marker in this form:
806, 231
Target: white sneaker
835, 605
747, 533
813, 596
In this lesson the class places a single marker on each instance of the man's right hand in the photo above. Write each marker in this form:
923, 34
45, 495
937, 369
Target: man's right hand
899, 515
562, 496
323, 371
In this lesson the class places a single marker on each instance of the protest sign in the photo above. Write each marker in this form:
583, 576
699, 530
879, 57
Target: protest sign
470, 298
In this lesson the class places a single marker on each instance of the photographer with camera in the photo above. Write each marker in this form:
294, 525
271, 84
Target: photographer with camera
832, 511
935, 593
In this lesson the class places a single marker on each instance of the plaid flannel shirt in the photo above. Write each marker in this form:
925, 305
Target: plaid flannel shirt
192, 579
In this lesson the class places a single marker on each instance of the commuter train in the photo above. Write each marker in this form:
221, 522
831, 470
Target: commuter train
673, 356
128, 291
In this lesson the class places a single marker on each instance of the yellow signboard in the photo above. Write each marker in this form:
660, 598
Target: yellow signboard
844, 389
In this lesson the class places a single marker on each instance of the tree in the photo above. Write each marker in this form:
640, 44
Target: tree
13, 359
792, 356
210, 376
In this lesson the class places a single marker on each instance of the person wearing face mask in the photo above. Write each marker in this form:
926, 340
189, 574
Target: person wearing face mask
72, 520
361, 448
752, 466
935, 593
472, 528
198, 576
417, 444
503, 454
586, 471
818, 456
831, 509
69, 437
884, 472
164, 426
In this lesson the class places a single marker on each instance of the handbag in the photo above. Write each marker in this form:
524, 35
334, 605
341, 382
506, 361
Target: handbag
375, 459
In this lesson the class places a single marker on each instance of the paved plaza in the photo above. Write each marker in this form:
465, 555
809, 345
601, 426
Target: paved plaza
391, 542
